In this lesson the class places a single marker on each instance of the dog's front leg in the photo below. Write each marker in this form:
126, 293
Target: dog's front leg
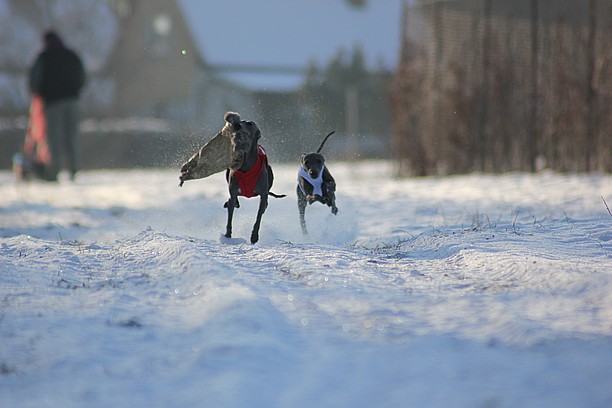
331, 201
263, 204
330, 193
230, 205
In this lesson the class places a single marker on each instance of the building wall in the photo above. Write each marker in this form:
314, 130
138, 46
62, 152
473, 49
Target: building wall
148, 66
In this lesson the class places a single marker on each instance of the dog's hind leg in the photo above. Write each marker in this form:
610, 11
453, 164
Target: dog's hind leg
263, 204
302, 209
303, 219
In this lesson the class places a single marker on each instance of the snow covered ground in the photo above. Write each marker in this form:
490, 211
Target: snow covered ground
467, 291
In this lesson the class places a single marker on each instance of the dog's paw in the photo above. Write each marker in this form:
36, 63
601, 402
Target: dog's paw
334, 210
231, 241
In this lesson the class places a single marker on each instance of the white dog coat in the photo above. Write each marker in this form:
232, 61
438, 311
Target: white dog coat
316, 183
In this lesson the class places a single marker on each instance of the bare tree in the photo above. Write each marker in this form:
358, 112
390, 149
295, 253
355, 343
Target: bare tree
506, 86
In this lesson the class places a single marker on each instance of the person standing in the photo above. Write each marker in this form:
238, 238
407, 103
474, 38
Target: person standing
58, 76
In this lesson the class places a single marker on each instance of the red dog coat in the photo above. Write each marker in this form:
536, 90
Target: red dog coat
247, 180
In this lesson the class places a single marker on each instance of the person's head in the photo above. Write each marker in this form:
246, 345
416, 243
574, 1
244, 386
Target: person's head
51, 39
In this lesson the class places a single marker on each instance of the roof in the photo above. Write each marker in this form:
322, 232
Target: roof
288, 35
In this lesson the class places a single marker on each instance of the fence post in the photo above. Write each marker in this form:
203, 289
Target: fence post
351, 108
591, 106
532, 133
484, 93
437, 137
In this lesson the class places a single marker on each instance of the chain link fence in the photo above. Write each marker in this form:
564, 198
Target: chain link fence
496, 86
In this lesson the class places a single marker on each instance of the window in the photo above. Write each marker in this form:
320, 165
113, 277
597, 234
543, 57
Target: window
160, 32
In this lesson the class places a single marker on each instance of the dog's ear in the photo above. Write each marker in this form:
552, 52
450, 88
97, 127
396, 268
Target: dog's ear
233, 119
252, 126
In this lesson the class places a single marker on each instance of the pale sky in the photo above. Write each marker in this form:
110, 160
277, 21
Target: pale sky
292, 33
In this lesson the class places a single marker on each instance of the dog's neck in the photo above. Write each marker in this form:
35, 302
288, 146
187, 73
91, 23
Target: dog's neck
251, 157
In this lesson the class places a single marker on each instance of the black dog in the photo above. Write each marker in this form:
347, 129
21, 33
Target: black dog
315, 183
250, 174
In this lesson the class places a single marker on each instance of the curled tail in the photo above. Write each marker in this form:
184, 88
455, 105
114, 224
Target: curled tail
325, 140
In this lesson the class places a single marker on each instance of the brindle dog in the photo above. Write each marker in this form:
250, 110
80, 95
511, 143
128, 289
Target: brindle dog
248, 173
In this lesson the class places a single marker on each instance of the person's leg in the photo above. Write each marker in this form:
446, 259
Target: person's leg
53, 115
71, 128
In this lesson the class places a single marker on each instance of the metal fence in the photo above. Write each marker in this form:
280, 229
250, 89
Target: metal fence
497, 85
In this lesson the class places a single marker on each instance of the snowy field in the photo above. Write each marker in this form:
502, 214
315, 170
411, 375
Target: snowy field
468, 291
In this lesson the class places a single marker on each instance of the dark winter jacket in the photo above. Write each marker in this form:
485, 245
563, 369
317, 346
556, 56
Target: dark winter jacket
57, 74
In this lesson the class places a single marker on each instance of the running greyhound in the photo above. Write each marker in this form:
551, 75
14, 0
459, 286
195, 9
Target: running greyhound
315, 183
248, 174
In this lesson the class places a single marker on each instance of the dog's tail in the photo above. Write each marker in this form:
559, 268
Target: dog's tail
325, 140
277, 195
